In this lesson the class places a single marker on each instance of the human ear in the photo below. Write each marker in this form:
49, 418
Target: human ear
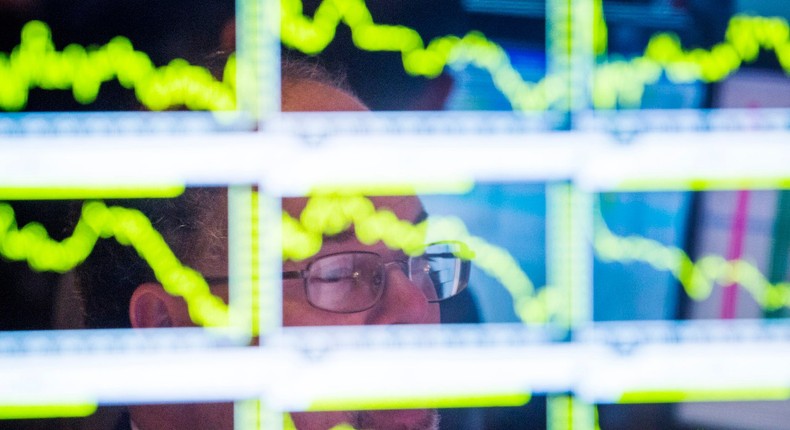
151, 306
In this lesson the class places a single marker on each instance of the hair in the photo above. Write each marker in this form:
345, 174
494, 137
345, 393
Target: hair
390, 87
191, 224
295, 69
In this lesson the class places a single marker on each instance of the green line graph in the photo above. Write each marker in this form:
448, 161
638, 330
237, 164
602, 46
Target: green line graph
129, 227
698, 278
615, 82
329, 215
35, 63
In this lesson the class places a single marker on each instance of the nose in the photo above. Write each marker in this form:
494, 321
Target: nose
403, 302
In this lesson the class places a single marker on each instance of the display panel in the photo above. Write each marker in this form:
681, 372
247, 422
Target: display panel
587, 216
468, 60
123, 57
678, 57
109, 246
492, 237
124, 270
712, 255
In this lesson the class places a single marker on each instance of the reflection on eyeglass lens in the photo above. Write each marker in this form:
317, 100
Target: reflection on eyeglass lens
355, 281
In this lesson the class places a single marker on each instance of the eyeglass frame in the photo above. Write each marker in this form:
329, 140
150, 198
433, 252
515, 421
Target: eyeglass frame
463, 277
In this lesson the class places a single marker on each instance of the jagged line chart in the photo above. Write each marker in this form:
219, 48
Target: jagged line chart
615, 82
328, 215
324, 216
129, 227
624, 81
35, 63
697, 278
313, 35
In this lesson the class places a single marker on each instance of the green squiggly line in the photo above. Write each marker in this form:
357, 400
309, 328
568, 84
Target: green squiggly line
697, 279
129, 227
311, 36
329, 215
36, 64
614, 81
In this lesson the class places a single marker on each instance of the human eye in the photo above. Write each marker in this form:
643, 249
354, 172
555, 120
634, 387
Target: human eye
345, 282
346, 271
333, 275
376, 279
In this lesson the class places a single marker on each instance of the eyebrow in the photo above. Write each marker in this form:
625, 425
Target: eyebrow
343, 236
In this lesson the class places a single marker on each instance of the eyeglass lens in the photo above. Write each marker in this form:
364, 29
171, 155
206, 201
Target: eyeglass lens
355, 281
345, 282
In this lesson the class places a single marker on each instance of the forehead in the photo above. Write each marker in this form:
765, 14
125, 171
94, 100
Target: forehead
311, 96
407, 208
209, 249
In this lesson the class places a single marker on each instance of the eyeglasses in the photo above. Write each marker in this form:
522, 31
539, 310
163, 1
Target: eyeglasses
349, 282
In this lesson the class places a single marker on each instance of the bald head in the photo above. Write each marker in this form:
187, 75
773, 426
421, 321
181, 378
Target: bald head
303, 95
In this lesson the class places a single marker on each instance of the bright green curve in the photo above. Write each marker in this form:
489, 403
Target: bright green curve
312, 35
36, 64
128, 227
623, 81
323, 215
328, 215
697, 278
615, 82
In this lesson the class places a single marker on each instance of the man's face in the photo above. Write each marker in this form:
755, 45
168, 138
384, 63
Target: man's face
402, 302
